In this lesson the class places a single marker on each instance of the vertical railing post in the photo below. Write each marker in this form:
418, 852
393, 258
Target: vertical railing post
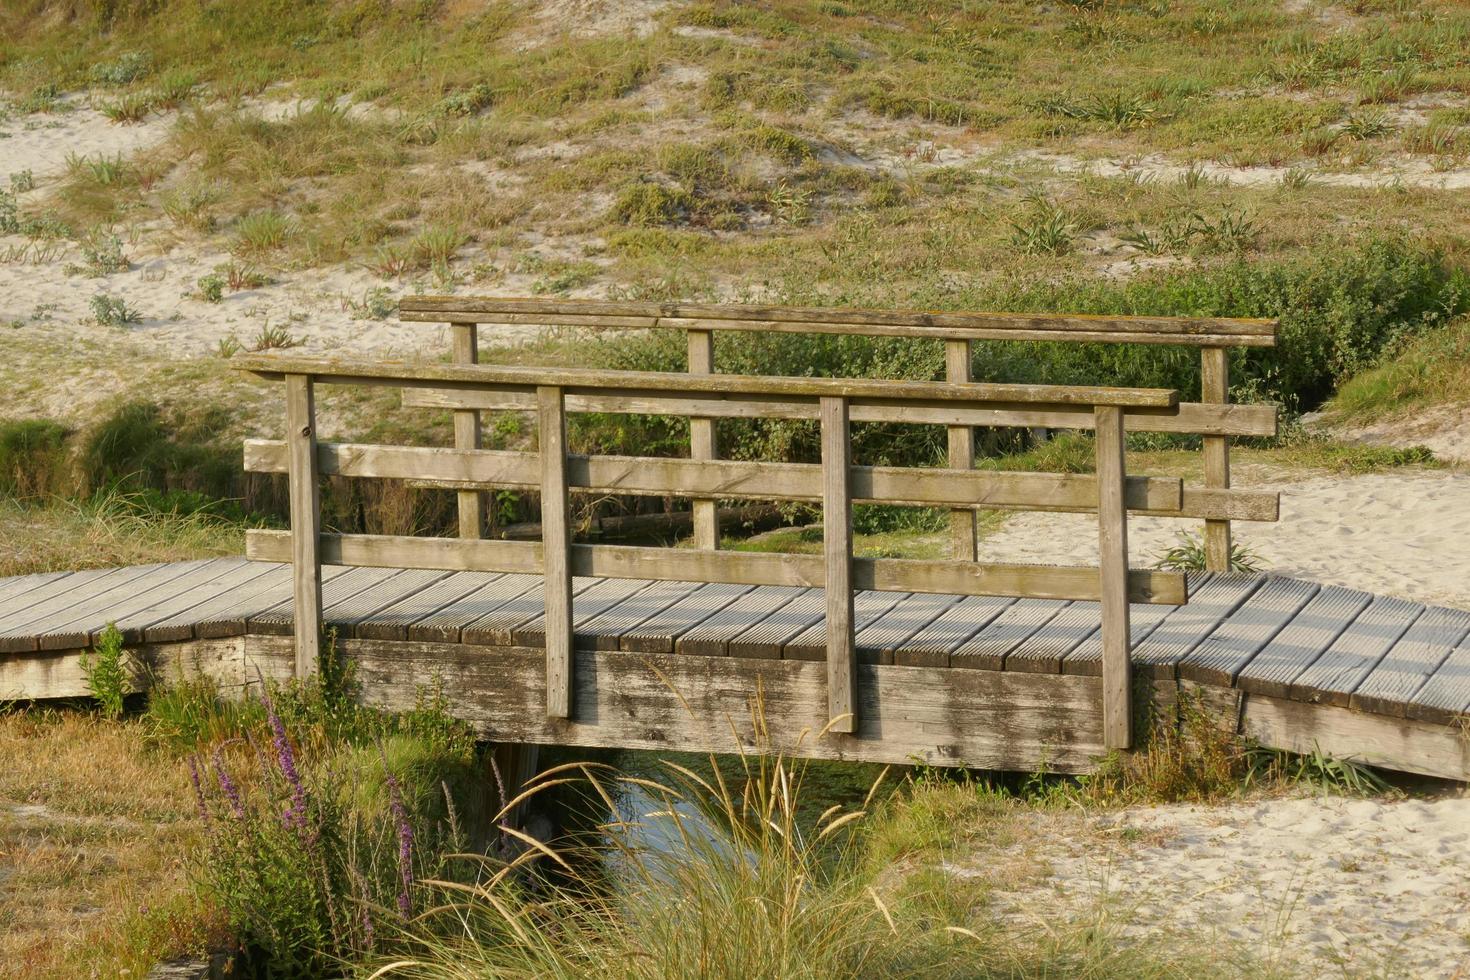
467, 433
702, 441
961, 453
837, 550
556, 549
1215, 388
306, 518
1112, 525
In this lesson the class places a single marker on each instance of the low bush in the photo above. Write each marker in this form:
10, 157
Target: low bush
32, 458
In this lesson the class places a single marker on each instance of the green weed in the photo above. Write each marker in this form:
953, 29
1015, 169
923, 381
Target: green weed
1189, 555
113, 311
107, 674
261, 232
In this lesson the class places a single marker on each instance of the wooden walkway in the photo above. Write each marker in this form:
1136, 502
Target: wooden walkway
1302, 666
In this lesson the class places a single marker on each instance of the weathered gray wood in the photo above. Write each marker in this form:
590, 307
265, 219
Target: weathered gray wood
40, 677
837, 579
813, 643
556, 546
1232, 644
237, 575
1112, 527
1197, 419
588, 603
1411, 661
1445, 696
605, 631
1185, 627
766, 638
467, 432
878, 639
660, 634
1086, 658
702, 445
280, 619
56, 596
1332, 677
933, 645
306, 521
1044, 650
988, 647
77, 627
653, 701
345, 615
712, 637
446, 624
961, 452
22, 589
393, 621
964, 325
747, 480
1309, 634
1215, 387
590, 380
100, 593
227, 615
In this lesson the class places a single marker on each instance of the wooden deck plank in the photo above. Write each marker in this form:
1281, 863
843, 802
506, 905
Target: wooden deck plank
235, 574
392, 622
279, 620
932, 646
1230, 646
867, 607
1086, 658
660, 633
605, 630
1411, 661
1445, 697
226, 615
26, 629
345, 614
1185, 627
987, 649
765, 638
712, 637
75, 631
1309, 635
54, 596
1044, 651
447, 623
886, 635
1332, 677
587, 604
19, 590
493, 627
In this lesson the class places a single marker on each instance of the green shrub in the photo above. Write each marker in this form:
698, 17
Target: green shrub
106, 672
646, 204
113, 311
211, 288
32, 457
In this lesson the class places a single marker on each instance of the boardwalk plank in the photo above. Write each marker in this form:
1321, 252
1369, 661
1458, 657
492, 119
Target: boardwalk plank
1185, 627
447, 623
987, 649
1044, 651
235, 573
587, 604
279, 620
879, 640
712, 637
75, 631
1143, 618
392, 622
345, 614
1411, 661
53, 597
867, 607
19, 590
61, 609
605, 630
1445, 697
1332, 677
1309, 635
932, 646
1231, 645
660, 633
764, 639
494, 627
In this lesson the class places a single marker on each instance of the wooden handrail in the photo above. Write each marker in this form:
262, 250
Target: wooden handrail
840, 483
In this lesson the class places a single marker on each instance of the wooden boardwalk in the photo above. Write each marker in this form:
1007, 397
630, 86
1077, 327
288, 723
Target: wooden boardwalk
1300, 665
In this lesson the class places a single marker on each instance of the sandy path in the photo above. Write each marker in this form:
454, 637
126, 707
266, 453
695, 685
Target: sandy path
1405, 534
1326, 886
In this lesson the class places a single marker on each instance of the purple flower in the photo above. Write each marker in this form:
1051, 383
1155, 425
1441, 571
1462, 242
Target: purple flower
294, 815
198, 788
405, 836
228, 786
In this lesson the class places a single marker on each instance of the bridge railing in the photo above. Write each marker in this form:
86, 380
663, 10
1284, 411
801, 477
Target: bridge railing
835, 483
1213, 417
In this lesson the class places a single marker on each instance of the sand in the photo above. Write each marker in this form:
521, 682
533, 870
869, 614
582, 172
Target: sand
1401, 533
1318, 886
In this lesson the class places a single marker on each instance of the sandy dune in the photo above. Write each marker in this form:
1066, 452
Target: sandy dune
1401, 534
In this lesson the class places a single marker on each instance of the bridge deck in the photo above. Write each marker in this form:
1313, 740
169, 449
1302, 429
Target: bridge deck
1271, 647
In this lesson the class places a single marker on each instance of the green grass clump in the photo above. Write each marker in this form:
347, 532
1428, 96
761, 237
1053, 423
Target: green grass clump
1432, 368
646, 204
32, 458
1189, 555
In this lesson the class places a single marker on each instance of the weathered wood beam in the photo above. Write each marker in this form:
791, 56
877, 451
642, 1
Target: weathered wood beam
961, 438
467, 433
306, 518
842, 699
1215, 388
701, 344
1112, 518
556, 544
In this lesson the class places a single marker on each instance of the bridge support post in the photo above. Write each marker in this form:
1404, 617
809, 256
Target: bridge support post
467, 433
961, 453
1215, 387
556, 550
702, 443
306, 520
837, 549
1112, 524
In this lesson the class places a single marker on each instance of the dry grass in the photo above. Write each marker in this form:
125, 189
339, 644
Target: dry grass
93, 830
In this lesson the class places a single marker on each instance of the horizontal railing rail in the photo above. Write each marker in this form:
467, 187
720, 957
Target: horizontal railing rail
835, 483
1213, 418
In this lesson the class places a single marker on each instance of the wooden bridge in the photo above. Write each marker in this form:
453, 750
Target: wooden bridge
950, 662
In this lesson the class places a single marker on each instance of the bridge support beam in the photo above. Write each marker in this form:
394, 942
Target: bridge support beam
306, 520
1112, 526
842, 693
